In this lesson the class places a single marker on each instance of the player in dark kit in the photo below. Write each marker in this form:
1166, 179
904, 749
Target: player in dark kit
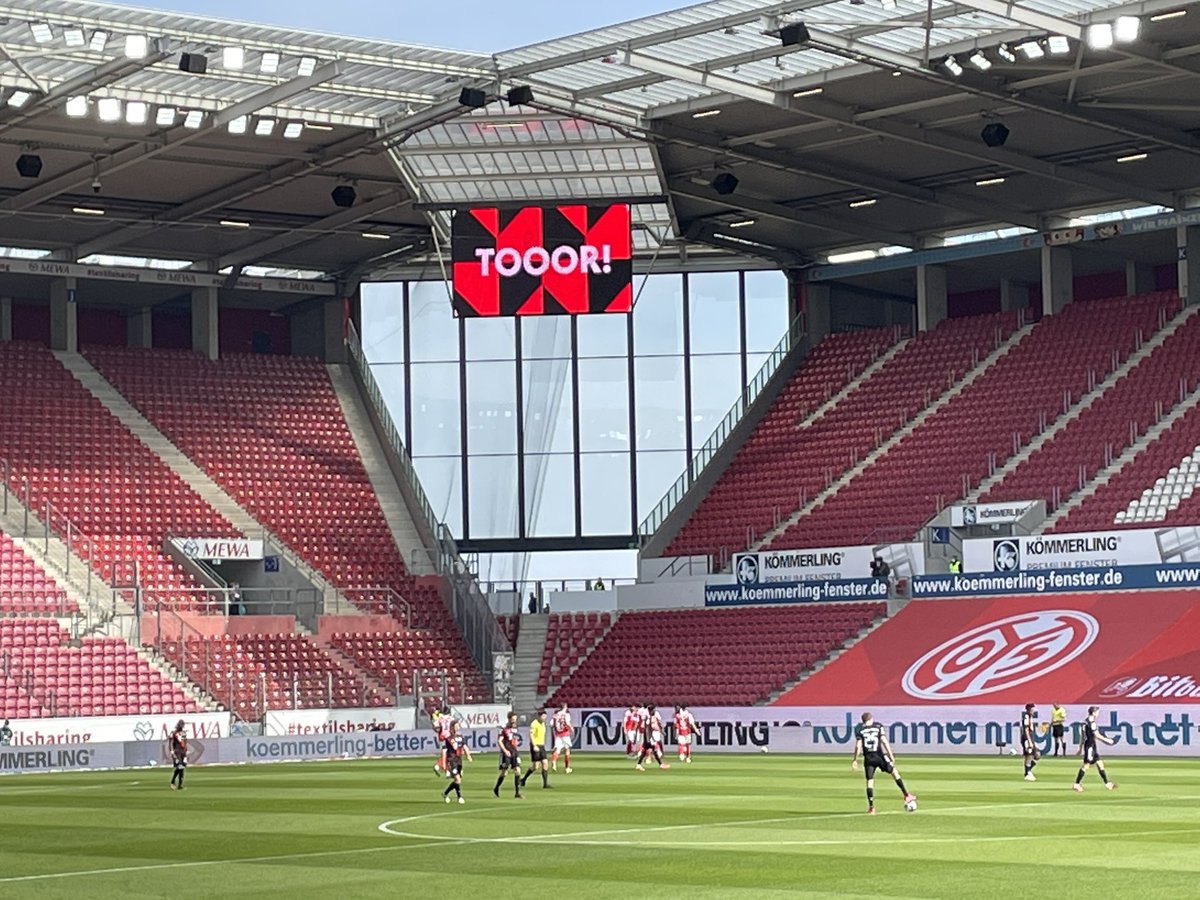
872, 744
177, 743
453, 751
651, 728
1028, 750
510, 759
1089, 747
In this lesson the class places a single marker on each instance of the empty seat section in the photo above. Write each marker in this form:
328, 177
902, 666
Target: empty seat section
394, 658
25, 587
270, 431
1099, 434
1050, 368
786, 462
46, 676
714, 657
65, 448
569, 638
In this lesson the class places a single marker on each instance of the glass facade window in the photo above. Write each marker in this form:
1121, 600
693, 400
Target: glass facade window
558, 391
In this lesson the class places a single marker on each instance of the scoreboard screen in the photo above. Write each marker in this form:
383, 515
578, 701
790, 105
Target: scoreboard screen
542, 260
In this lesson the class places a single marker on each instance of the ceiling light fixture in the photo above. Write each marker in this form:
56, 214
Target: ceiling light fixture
137, 112
268, 64
293, 130
744, 223
87, 211
986, 182
165, 116
73, 36
237, 125
1058, 45
233, 223
1126, 29
317, 126
980, 61
19, 98
308, 65
1173, 14
1031, 50
1132, 157
810, 92
376, 236
1006, 54
99, 41
194, 119
109, 109
77, 106
866, 201
264, 127
136, 46
42, 32
233, 58
950, 64
706, 113
1100, 36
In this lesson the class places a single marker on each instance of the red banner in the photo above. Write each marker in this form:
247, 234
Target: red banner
1070, 649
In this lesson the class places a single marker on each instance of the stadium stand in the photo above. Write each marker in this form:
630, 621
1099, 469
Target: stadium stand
73, 454
25, 587
392, 657
253, 673
1100, 510
1110, 424
712, 657
511, 626
1046, 372
41, 675
271, 432
787, 458
569, 638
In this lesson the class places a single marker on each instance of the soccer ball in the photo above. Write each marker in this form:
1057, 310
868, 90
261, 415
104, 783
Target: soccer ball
764, 749
1012, 751
910, 805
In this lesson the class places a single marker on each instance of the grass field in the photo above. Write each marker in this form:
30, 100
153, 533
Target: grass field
733, 826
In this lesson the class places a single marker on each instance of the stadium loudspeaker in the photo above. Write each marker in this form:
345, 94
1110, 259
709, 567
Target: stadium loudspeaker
29, 165
995, 134
793, 35
520, 96
472, 97
725, 184
344, 196
195, 63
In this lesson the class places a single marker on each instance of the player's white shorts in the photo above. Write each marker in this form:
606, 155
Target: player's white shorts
656, 737
685, 740
630, 737
562, 743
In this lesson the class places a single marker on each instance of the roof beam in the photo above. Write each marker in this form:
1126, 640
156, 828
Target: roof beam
97, 77
611, 48
265, 248
810, 218
1023, 15
705, 231
279, 174
880, 184
132, 154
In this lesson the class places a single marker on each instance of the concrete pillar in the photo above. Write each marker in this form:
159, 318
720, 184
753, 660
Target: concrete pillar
1187, 254
818, 311
931, 297
5, 318
333, 314
1058, 279
1013, 294
64, 329
139, 328
1139, 278
205, 334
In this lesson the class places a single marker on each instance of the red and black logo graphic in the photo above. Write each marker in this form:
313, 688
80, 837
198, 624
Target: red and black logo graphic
534, 261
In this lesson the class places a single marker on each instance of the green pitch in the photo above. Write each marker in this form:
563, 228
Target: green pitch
742, 826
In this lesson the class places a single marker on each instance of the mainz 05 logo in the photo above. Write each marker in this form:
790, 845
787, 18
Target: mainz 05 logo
1001, 655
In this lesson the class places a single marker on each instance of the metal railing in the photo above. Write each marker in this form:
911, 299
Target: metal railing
467, 603
703, 456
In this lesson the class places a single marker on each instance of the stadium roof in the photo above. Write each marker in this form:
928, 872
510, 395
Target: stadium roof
856, 133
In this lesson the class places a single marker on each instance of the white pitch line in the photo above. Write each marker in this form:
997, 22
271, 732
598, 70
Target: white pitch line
63, 789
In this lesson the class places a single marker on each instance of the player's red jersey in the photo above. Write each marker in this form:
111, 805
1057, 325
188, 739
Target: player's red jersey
561, 723
444, 724
685, 724
178, 745
630, 723
508, 740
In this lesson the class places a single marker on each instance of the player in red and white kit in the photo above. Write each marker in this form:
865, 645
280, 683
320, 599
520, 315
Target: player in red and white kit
562, 728
630, 726
685, 727
443, 726
652, 737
